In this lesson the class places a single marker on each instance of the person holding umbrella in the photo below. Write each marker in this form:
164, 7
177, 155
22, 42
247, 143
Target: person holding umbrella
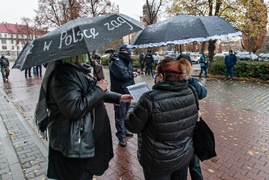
121, 76
80, 142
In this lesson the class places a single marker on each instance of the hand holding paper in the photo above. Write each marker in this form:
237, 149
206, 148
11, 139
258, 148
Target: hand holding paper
137, 90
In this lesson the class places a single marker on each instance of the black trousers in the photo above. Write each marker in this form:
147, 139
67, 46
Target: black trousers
180, 174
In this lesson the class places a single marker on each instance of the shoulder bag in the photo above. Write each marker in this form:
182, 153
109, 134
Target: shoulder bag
203, 137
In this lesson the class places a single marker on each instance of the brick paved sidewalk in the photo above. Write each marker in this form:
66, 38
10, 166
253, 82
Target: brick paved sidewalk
236, 111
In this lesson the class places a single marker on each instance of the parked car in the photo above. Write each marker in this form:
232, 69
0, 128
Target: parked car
195, 57
264, 57
243, 56
170, 54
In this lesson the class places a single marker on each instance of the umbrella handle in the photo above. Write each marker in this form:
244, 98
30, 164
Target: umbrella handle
95, 74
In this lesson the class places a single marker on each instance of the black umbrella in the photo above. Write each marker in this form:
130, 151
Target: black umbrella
78, 36
110, 50
183, 29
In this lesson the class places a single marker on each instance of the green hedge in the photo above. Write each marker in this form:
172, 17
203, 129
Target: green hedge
242, 69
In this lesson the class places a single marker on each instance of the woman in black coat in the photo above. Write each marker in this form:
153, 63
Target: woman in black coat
80, 143
164, 119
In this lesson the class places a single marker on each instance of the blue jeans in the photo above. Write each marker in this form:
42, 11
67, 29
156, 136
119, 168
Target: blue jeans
203, 68
195, 168
229, 71
180, 174
120, 114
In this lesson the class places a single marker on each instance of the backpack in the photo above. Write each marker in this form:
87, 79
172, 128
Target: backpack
4, 63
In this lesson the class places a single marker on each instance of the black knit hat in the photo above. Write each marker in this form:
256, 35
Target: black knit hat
186, 56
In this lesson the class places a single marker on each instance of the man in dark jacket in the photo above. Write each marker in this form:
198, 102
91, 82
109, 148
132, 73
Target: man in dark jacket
4, 67
230, 61
149, 60
121, 76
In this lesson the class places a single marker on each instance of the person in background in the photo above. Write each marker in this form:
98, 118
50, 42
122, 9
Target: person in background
4, 62
121, 75
164, 124
80, 141
39, 70
230, 61
204, 66
142, 62
194, 166
149, 62
198, 86
157, 58
27, 71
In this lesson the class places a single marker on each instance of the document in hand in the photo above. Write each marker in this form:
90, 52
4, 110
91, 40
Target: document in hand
137, 90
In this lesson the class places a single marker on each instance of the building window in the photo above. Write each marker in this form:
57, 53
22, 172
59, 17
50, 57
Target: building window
12, 47
5, 35
18, 48
4, 41
4, 47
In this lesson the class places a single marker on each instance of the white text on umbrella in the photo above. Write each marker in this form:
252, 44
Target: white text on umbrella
75, 37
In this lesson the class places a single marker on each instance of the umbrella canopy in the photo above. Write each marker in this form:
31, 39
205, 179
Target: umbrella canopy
76, 37
183, 29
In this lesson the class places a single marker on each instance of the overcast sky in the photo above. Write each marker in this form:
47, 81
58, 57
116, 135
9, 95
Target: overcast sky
13, 10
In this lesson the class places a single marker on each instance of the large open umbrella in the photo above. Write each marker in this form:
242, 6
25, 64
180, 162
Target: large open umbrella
183, 29
78, 36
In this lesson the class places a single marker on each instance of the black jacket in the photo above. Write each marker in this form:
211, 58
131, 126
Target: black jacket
164, 118
71, 99
121, 73
149, 59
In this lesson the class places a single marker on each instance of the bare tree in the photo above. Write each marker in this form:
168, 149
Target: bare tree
100, 7
54, 13
151, 10
26, 29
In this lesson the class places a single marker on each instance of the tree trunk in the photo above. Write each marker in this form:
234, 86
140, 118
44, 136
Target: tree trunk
211, 49
203, 47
